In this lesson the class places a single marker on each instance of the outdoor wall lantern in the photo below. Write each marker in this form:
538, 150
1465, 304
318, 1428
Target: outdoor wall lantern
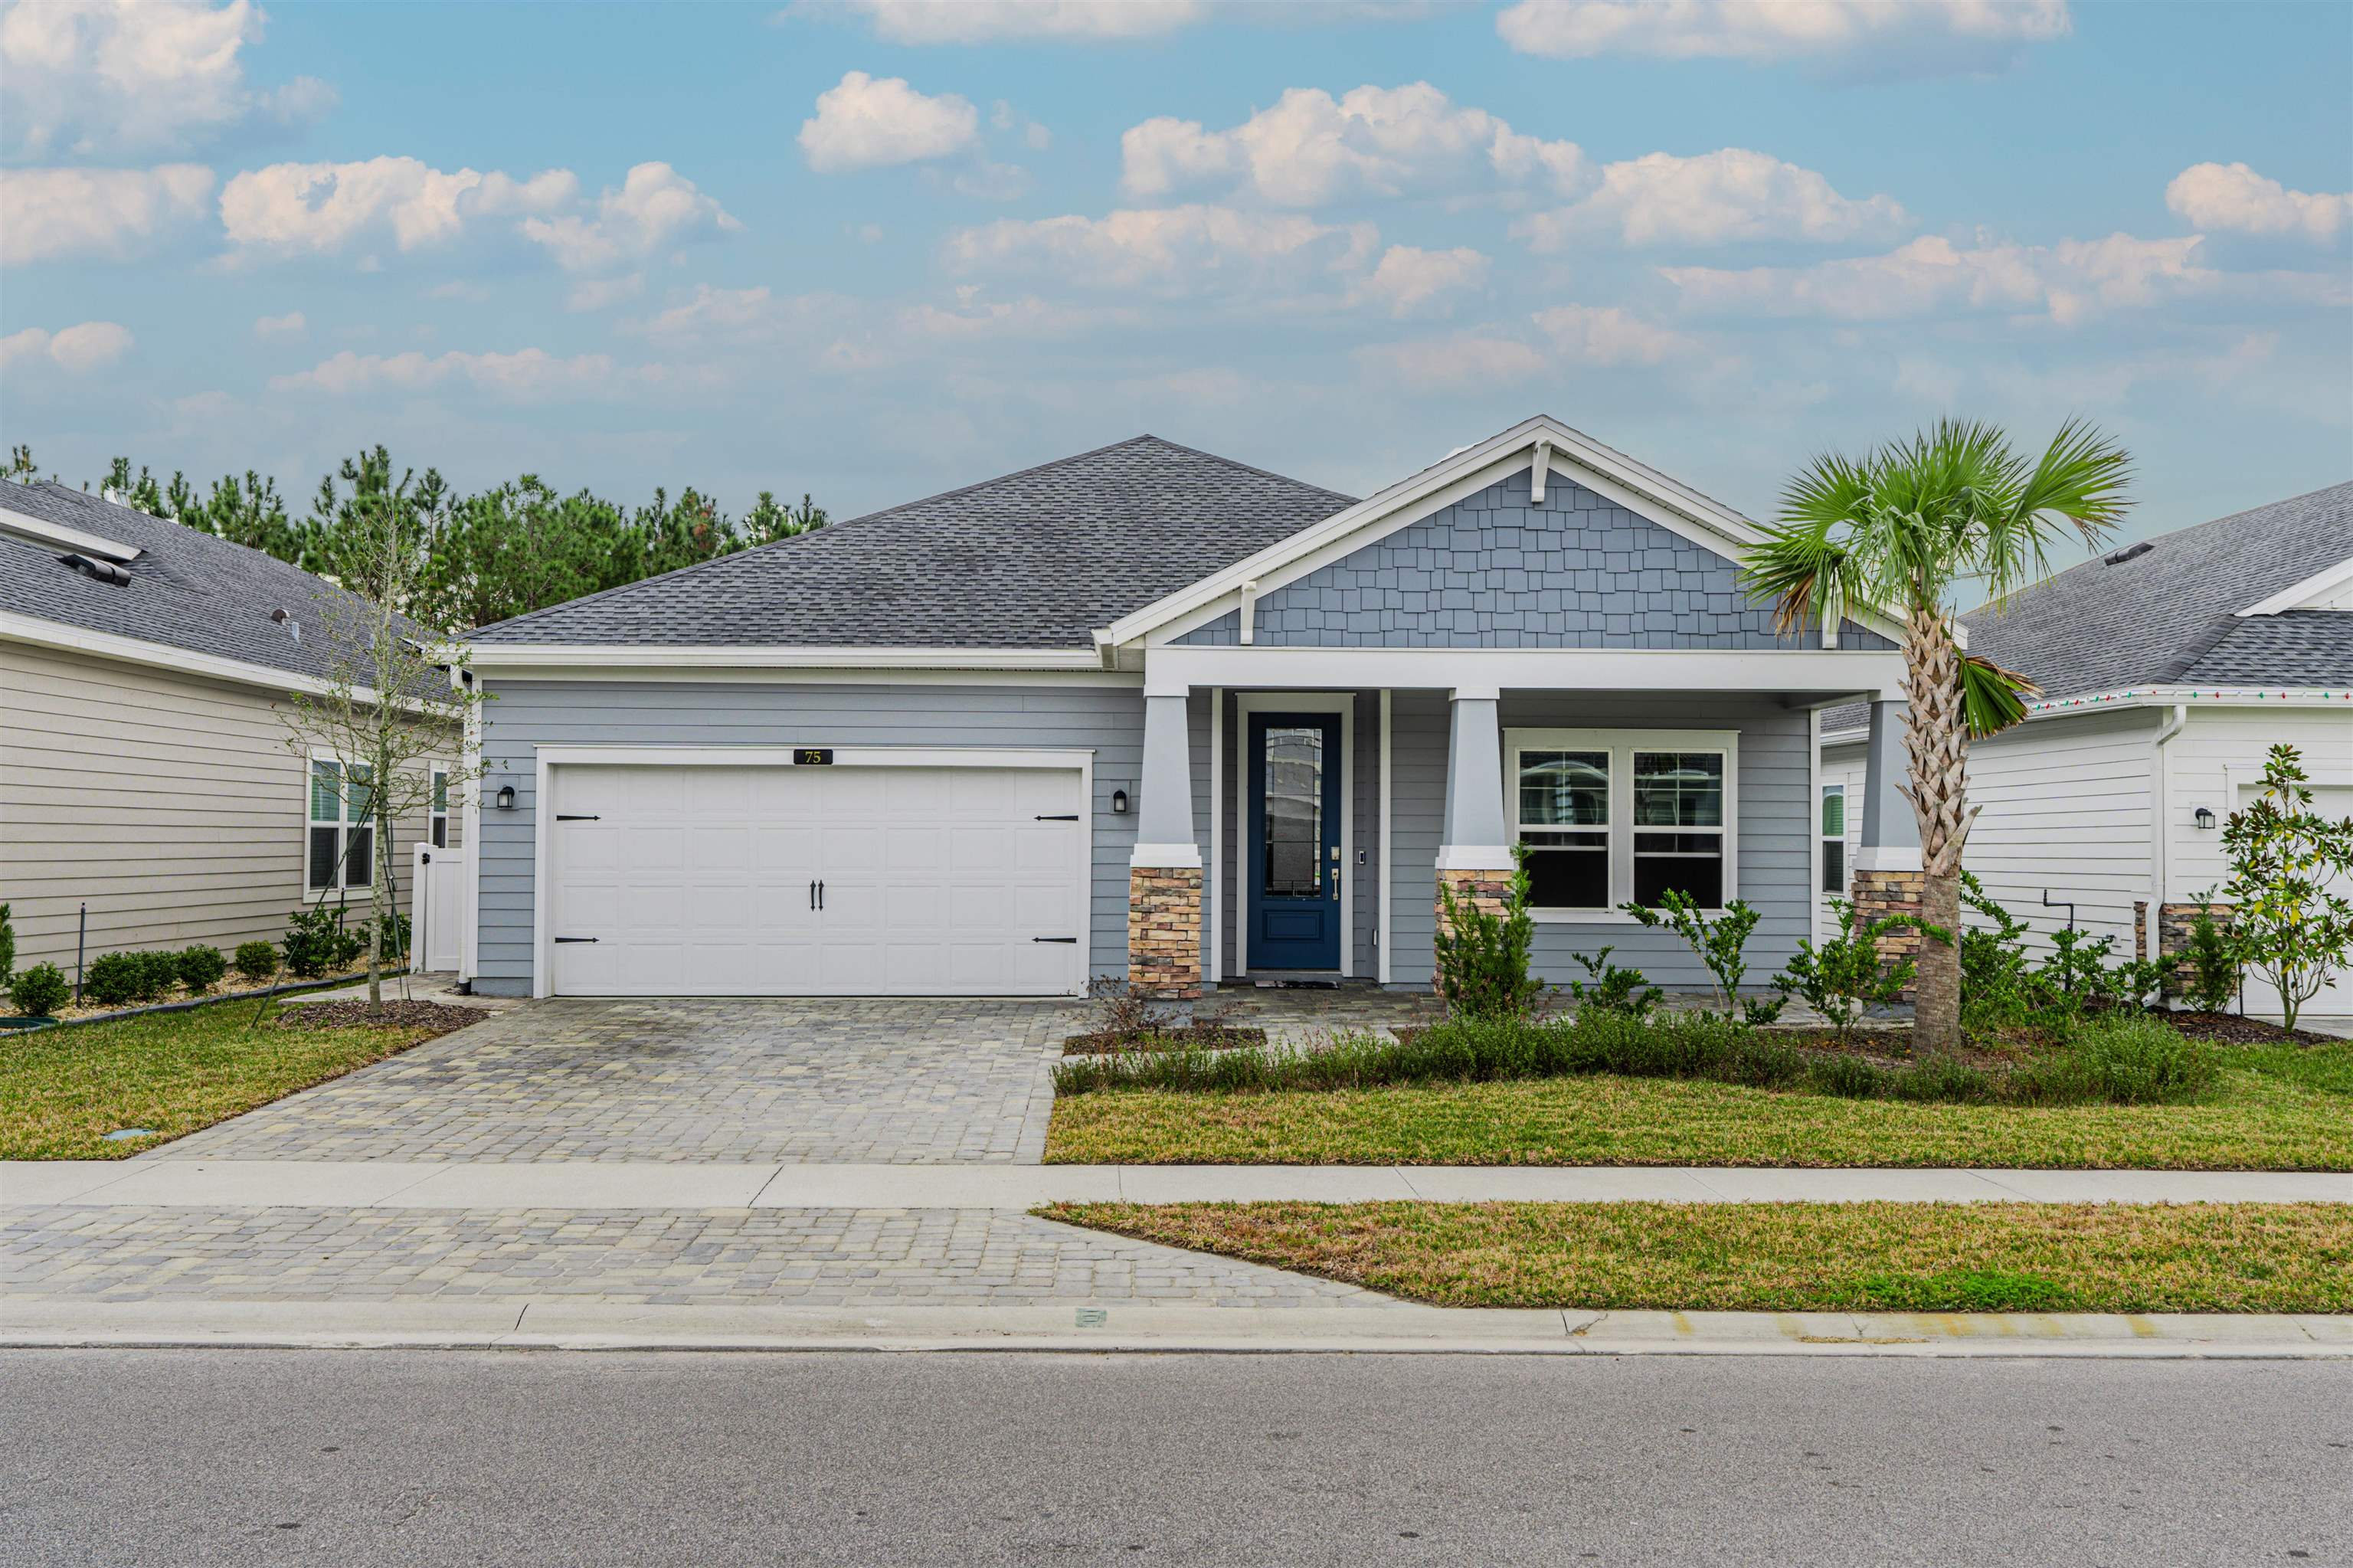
2205, 819
506, 796
1119, 802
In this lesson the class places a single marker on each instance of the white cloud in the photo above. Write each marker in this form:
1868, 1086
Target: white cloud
1311, 149
47, 213
135, 75
863, 123
528, 376
1172, 252
1909, 35
655, 205
985, 21
2235, 198
290, 324
1447, 363
320, 209
1408, 280
603, 294
1605, 335
974, 319
92, 345
1715, 199
1932, 276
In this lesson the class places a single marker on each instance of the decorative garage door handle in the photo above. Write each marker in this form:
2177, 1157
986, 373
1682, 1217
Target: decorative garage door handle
1054, 938
1058, 817
575, 938
578, 817
817, 895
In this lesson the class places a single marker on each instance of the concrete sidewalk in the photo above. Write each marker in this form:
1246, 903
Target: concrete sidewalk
160, 1182
1388, 1327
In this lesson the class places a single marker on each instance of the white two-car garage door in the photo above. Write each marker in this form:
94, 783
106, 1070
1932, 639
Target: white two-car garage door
774, 880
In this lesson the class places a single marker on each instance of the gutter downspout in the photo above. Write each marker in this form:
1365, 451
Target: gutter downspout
2163, 825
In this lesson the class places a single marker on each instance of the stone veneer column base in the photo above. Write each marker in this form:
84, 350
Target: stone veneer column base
1485, 889
1879, 894
1163, 931
2175, 925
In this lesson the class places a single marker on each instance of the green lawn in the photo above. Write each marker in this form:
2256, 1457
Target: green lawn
62, 1089
1786, 1257
2277, 1108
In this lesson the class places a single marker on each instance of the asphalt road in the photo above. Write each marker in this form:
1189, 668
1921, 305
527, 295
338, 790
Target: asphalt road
250, 1456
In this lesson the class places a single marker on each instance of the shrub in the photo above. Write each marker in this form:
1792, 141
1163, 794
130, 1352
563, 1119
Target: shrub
1124, 1012
2212, 983
114, 980
201, 967
1845, 975
2123, 1059
159, 971
39, 990
1483, 957
318, 942
1614, 988
257, 961
1718, 942
8, 945
1994, 980
2074, 975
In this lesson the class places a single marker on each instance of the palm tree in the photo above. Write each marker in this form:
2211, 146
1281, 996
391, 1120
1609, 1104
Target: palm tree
1902, 529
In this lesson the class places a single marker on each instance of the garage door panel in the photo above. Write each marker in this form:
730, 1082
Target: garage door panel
696, 881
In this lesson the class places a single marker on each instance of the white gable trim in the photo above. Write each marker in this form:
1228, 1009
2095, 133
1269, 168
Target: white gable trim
1565, 452
40, 530
2303, 595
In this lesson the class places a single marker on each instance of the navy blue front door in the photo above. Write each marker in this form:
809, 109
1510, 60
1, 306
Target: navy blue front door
1293, 906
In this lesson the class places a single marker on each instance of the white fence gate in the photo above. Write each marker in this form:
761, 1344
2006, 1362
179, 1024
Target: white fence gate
439, 932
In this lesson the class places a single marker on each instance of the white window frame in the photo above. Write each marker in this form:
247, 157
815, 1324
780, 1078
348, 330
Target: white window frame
343, 827
1622, 745
1822, 865
437, 805
1607, 827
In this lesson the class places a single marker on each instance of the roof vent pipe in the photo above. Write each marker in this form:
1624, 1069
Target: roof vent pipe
293, 627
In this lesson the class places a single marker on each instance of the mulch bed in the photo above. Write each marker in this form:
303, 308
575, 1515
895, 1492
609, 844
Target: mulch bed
1191, 1037
440, 1017
2237, 1031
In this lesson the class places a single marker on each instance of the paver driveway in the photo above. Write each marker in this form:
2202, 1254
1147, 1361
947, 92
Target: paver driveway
831, 1082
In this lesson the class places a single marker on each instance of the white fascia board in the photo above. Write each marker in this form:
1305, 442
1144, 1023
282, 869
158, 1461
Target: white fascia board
2232, 696
49, 533
18, 627
1568, 454
487, 656
509, 674
2296, 595
1170, 670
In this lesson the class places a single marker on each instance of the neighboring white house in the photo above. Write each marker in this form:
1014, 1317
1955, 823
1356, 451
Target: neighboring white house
2169, 669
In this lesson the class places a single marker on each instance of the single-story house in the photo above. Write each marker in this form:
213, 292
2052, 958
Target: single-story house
147, 780
2170, 668
1149, 711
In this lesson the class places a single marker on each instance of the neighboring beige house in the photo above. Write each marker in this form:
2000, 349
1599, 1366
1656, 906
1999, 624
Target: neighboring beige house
145, 764
2169, 668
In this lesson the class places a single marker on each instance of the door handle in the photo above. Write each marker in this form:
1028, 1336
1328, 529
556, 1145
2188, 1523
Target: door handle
820, 895
812, 891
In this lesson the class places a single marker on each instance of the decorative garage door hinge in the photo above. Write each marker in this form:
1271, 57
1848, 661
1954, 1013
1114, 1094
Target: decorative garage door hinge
575, 938
1057, 817
577, 817
1054, 938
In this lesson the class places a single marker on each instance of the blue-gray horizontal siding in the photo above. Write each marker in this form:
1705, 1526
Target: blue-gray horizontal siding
527, 714
1774, 858
1494, 570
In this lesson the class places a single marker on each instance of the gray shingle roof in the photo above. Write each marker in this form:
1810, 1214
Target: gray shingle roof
187, 591
2168, 616
2098, 628
1035, 559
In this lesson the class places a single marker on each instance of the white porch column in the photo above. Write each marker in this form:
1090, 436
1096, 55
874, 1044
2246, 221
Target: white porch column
1474, 854
1887, 876
1163, 877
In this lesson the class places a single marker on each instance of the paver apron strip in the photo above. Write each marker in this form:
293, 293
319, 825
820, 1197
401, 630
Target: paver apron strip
599, 1184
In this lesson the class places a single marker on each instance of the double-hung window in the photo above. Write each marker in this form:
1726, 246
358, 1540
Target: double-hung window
1834, 838
341, 844
1610, 817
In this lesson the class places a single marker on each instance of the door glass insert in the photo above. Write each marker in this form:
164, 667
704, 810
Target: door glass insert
1294, 812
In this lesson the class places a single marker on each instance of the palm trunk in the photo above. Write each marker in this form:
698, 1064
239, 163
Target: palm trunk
1936, 737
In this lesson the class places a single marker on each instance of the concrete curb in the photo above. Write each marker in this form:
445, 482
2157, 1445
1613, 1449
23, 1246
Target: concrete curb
571, 1324
157, 1181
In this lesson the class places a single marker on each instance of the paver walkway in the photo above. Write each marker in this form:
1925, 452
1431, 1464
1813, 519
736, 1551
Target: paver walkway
689, 1082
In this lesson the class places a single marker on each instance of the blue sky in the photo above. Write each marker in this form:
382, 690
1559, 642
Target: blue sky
874, 251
